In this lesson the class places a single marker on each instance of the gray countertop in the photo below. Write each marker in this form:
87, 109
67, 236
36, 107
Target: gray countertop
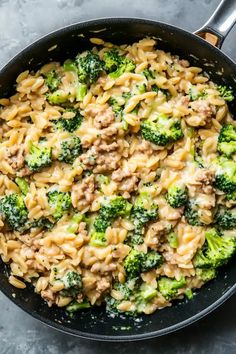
21, 22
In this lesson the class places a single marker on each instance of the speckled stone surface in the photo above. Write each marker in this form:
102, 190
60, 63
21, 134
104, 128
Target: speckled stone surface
21, 22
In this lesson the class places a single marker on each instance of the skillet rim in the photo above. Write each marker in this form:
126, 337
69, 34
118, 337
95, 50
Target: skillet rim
109, 21
129, 337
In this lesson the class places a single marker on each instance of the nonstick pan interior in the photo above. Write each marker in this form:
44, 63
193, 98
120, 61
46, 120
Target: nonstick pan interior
66, 43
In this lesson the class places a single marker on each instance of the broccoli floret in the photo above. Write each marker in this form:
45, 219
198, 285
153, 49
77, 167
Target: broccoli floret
41, 223
81, 88
216, 252
98, 239
140, 216
75, 306
111, 60
135, 237
149, 74
226, 219
162, 131
201, 260
227, 133
206, 274
146, 293
227, 140
52, 80
177, 196
138, 262
102, 179
70, 149
191, 214
225, 179
145, 201
13, 209
109, 211
157, 89
22, 184
226, 93
89, 67
72, 284
59, 202
196, 150
117, 109
133, 263
169, 287
134, 290
144, 211
102, 222
71, 124
194, 94
116, 64
143, 297
57, 97
60, 97
72, 279
111, 305
198, 159
126, 289
151, 259
231, 196
39, 156
227, 149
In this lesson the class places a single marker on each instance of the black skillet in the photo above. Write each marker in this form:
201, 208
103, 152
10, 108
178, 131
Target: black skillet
65, 43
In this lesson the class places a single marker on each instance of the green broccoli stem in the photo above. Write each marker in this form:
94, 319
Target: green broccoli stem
116, 64
22, 184
75, 306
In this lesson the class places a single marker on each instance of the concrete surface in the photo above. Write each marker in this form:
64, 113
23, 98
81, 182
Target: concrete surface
21, 22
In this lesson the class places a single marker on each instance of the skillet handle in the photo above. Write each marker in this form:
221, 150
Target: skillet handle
219, 24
